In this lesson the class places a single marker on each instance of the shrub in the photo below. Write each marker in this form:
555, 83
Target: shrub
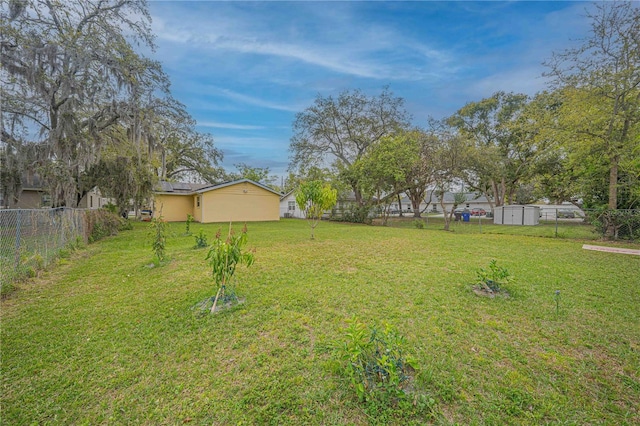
418, 224
375, 362
110, 207
125, 224
493, 278
201, 240
616, 224
102, 223
355, 214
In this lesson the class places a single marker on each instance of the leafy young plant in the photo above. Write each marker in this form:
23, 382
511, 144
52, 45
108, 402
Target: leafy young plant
223, 258
159, 231
188, 224
201, 240
493, 278
375, 361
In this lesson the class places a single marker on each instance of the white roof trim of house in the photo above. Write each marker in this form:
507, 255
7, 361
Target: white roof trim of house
282, 197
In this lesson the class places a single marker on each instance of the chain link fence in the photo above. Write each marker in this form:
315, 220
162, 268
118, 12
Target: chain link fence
602, 224
569, 222
615, 224
32, 239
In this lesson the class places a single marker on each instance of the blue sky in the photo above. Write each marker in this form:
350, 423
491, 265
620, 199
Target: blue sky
244, 69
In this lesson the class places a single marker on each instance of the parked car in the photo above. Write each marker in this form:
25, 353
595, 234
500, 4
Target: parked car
566, 214
146, 215
478, 212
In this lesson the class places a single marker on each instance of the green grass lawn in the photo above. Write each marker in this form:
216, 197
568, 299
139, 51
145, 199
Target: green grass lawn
104, 339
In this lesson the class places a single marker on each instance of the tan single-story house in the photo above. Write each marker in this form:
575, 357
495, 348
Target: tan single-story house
239, 201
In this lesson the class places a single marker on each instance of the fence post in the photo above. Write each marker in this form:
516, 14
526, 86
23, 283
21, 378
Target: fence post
19, 219
556, 223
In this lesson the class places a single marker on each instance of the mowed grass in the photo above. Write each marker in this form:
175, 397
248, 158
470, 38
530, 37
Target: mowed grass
104, 339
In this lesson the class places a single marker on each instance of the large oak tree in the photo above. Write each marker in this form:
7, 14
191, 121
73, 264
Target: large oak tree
340, 130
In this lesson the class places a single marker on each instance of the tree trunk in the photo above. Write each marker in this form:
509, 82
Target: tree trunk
358, 196
416, 199
447, 218
613, 184
416, 208
400, 205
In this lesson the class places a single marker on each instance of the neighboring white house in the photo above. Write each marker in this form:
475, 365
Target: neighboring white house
289, 207
94, 200
472, 200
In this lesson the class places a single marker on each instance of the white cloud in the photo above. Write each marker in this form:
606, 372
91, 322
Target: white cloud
346, 47
231, 126
256, 143
251, 100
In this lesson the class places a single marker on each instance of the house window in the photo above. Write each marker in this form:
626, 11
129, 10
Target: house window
198, 201
90, 201
292, 205
46, 200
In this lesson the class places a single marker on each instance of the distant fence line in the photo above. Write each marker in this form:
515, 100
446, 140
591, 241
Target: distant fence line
31, 239
621, 224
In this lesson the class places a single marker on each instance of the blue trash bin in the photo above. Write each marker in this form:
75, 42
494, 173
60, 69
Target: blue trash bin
466, 216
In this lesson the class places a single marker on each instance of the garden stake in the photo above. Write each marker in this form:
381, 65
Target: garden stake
215, 301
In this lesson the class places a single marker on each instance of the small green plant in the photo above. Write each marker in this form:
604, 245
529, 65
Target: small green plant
111, 208
201, 240
159, 232
419, 224
223, 258
188, 224
493, 278
375, 361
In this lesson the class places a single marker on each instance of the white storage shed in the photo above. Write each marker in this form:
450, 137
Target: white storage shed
516, 215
